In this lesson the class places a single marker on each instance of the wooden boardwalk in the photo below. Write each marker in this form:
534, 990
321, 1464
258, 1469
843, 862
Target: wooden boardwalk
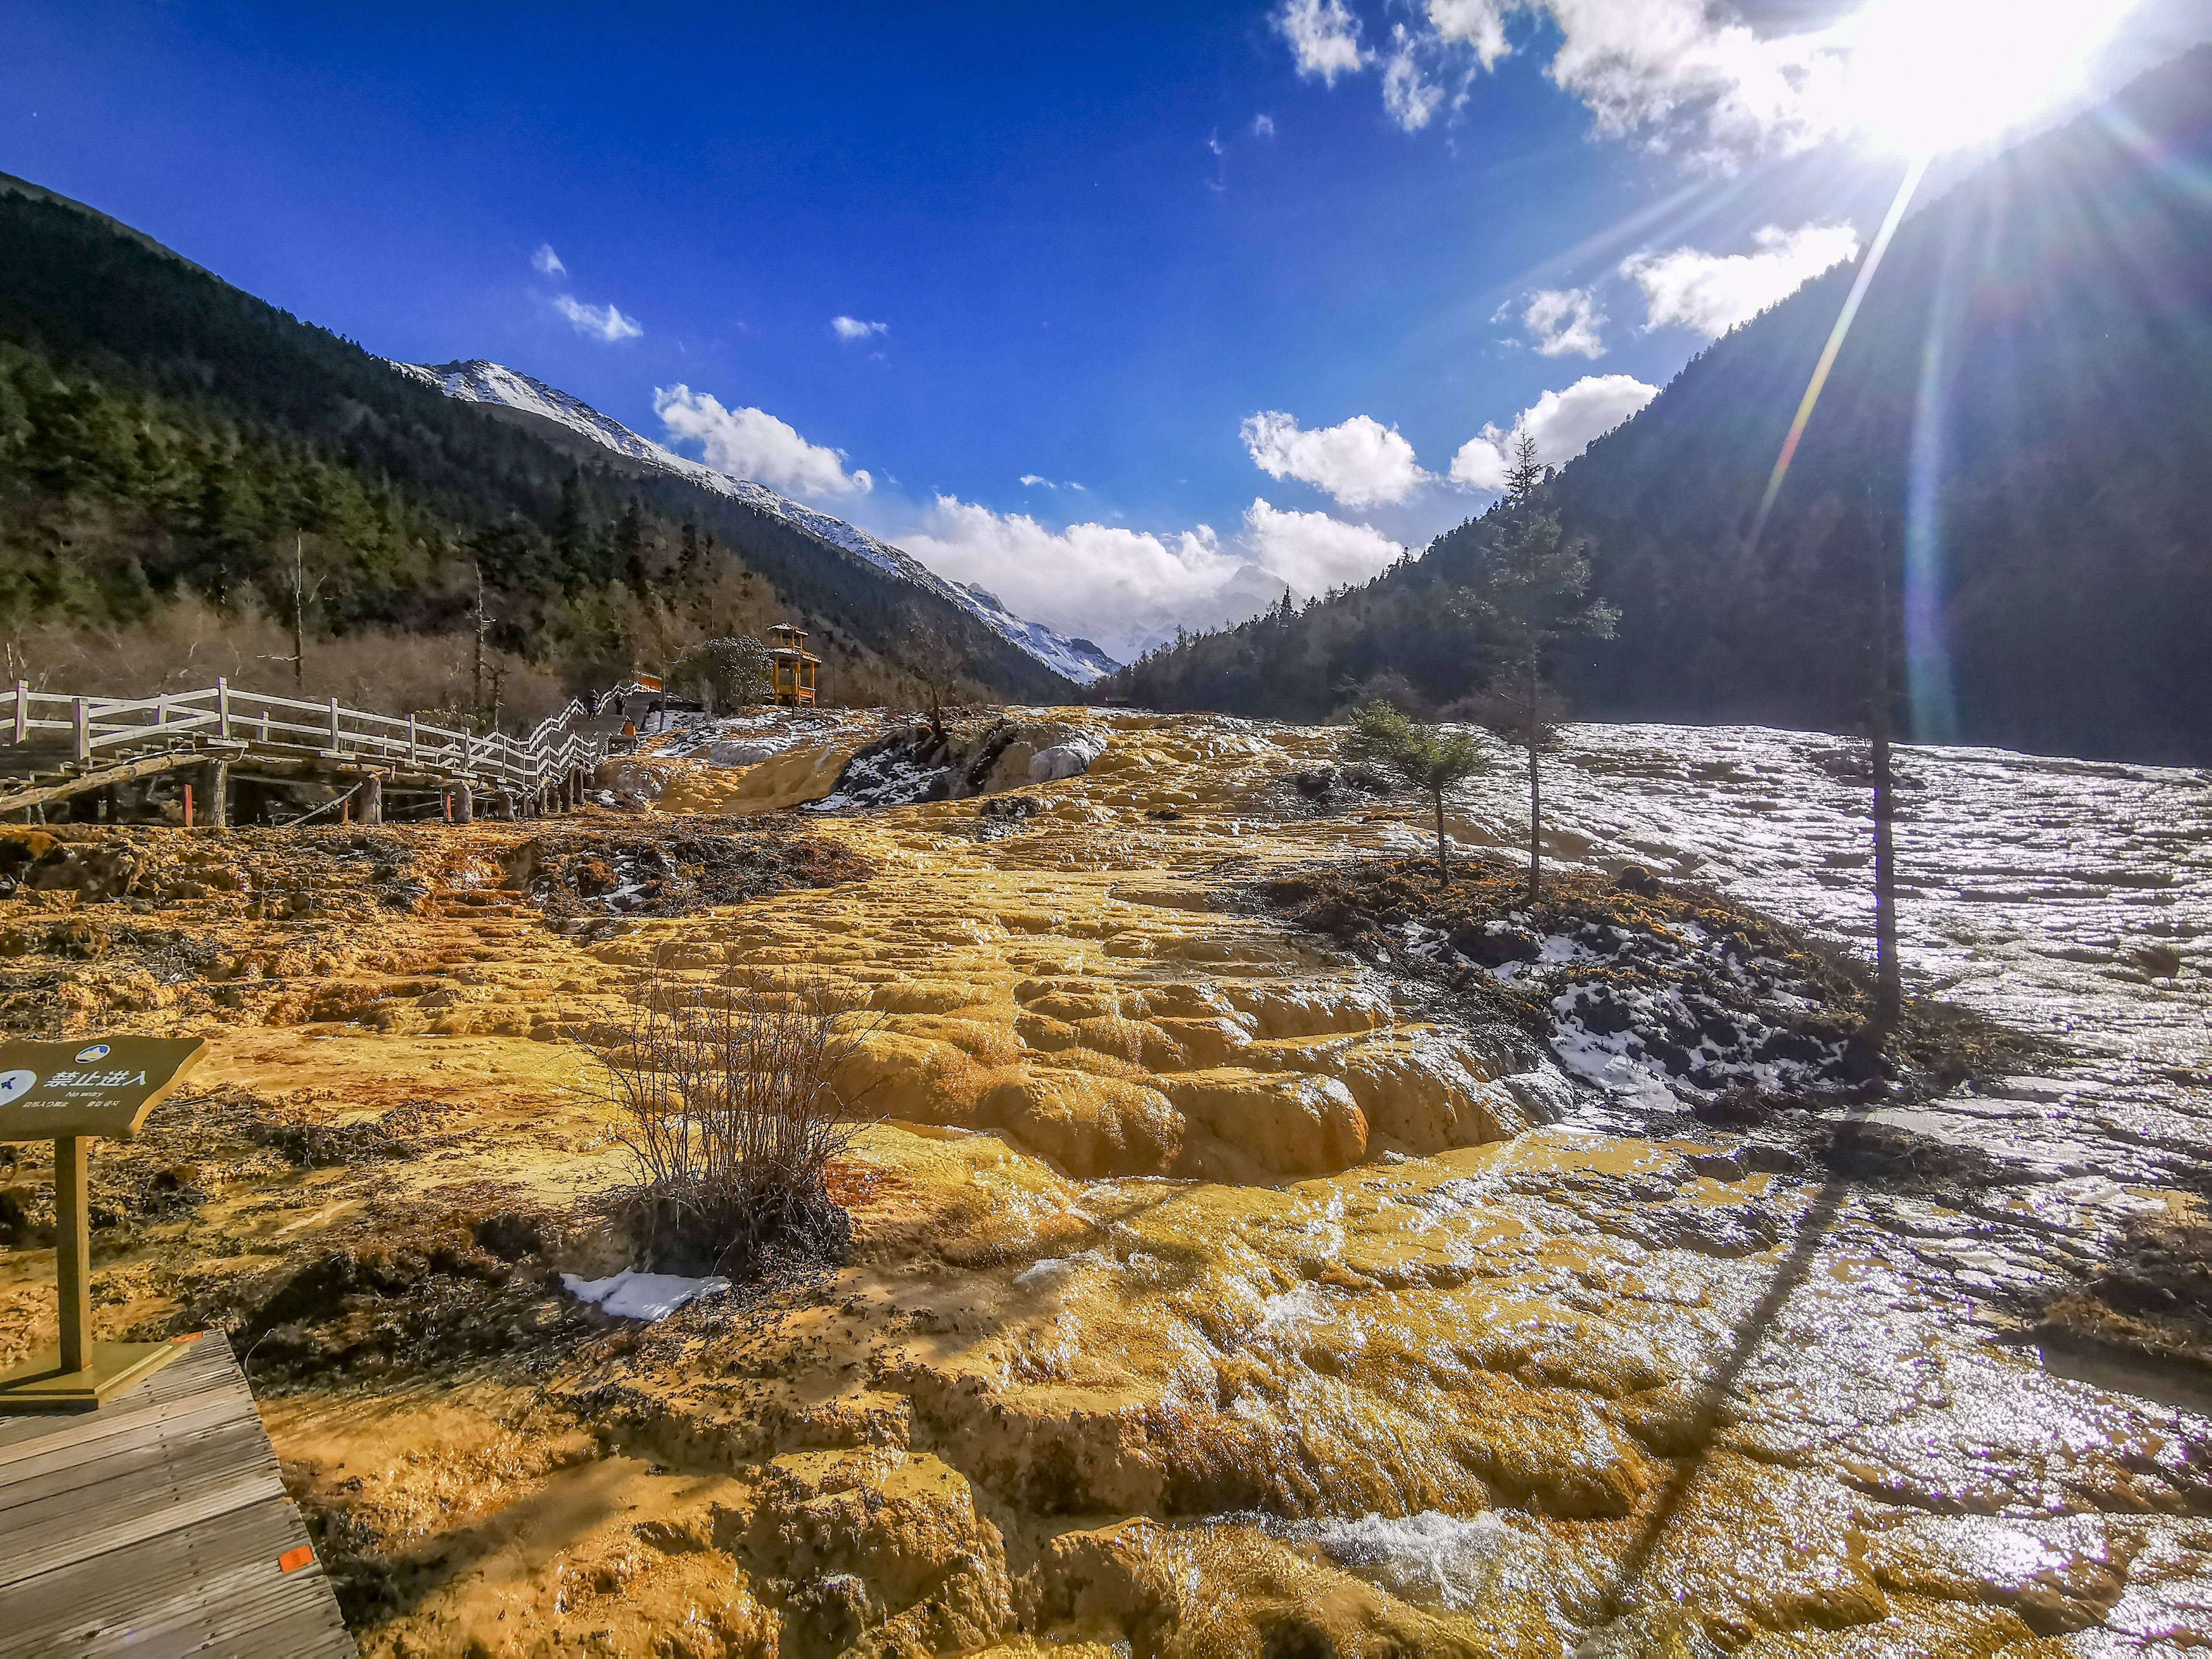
54, 745
157, 1526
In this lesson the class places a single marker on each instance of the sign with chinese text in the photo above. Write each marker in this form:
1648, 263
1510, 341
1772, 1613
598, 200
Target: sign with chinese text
89, 1086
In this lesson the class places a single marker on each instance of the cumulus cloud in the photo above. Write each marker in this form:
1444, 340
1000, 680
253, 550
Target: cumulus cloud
1562, 320
1410, 98
601, 322
748, 443
1683, 70
1480, 24
1263, 126
1324, 38
1033, 479
851, 328
1360, 461
1121, 589
1127, 589
1686, 76
547, 261
1711, 293
1313, 552
1561, 422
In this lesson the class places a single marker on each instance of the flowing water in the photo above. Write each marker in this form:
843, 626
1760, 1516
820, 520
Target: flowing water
1212, 1292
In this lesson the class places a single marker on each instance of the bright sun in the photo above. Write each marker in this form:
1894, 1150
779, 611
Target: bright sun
1931, 74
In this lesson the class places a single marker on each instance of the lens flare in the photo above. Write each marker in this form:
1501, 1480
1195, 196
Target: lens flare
1926, 75
1837, 335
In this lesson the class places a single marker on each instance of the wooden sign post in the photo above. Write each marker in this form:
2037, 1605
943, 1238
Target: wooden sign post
68, 1093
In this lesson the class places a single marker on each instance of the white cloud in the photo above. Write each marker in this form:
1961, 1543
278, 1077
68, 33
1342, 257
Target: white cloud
1121, 589
1711, 293
1360, 461
1564, 320
603, 322
1675, 70
851, 328
1562, 423
1263, 126
1480, 24
547, 261
1410, 98
748, 443
1312, 551
1687, 76
1129, 589
1033, 479
1323, 36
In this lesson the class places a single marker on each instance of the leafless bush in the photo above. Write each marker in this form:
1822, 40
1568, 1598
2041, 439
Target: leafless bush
185, 644
734, 1100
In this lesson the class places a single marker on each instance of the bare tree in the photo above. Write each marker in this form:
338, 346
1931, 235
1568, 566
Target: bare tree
731, 672
733, 1099
1889, 986
938, 673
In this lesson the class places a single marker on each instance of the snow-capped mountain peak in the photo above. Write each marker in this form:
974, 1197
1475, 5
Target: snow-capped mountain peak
534, 404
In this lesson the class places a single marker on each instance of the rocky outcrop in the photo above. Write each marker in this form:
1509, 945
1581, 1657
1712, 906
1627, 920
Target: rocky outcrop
917, 763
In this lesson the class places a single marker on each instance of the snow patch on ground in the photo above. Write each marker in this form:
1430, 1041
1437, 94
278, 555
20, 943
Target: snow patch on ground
1430, 1559
630, 1294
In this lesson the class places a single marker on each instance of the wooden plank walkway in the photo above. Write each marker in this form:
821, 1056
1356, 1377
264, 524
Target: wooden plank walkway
157, 1526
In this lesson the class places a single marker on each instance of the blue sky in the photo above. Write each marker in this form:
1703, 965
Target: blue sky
1254, 277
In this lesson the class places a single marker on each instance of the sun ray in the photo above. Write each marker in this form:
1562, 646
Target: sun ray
1867, 268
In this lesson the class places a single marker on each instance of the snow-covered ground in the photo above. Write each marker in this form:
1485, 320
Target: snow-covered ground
480, 382
2052, 894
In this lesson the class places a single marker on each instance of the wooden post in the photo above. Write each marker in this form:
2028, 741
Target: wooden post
188, 807
73, 1251
372, 798
414, 743
217, 778
23, 711
464, 803
334, 722
221, 707
81, 721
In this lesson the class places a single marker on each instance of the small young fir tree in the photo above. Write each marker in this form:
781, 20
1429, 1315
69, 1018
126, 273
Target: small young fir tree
1427, 756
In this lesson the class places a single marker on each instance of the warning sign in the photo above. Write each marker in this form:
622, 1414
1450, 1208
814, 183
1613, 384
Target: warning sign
90, 1086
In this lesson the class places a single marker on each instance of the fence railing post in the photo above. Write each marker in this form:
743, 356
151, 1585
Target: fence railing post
80, 722
23, 711
414, 743
221, 707
334, 722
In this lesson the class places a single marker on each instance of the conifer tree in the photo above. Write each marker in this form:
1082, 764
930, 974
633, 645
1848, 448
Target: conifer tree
1427, 756
1528, 593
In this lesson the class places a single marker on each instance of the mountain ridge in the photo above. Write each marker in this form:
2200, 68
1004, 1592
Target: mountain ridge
165, 436
511, 394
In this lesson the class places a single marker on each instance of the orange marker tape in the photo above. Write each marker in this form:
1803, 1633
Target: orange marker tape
293, 1560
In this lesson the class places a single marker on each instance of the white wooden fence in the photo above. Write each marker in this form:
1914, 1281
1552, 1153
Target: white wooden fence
91, 731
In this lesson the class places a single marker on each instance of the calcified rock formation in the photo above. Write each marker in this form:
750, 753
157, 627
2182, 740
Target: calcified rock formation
1212, 1290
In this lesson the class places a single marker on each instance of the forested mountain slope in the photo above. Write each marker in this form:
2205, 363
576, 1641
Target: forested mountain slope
2019, 420
163, 434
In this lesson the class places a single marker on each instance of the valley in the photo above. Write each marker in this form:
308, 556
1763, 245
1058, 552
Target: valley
1213, 1288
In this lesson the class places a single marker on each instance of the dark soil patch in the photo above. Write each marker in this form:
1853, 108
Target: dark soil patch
2152, 1301
463, 1282
585, 872
1733, 1012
